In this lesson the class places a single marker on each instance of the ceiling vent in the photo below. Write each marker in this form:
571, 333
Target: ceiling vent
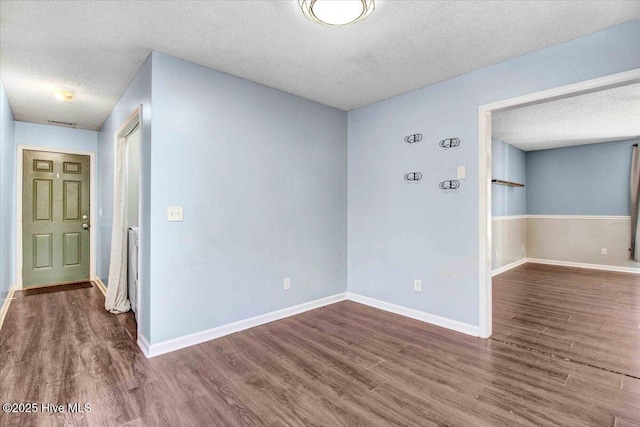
67, 124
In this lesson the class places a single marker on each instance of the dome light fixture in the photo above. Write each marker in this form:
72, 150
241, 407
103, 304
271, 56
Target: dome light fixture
335, 13
64, 94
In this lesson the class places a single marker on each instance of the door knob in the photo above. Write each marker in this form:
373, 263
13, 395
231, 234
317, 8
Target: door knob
85, 226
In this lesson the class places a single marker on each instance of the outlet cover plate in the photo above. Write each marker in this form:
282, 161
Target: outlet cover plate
417, 285
175, 213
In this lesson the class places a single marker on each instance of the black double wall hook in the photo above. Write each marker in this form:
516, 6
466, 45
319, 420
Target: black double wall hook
450, 143
413, 176
452, 184
412, 139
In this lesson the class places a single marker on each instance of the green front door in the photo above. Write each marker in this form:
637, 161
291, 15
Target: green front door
55, 218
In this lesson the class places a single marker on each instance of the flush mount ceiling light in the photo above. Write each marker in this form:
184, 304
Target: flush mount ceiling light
336, 12
64, 94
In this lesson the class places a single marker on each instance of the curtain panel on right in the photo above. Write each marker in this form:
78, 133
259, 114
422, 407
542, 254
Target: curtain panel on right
635, 199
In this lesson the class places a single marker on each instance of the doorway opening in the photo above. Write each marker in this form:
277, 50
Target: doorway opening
123, 291
557, 309
132, 212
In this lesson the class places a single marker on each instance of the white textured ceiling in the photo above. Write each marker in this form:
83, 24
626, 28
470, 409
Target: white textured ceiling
95, 47
607, 115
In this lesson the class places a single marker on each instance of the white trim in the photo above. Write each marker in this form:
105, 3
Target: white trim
508, 267
584, 265
586, 86
444, 322
580, 217
484, 161
152, 350
144, 345
129, 124
5, 306
100, 285
93, 219
508, 217
485, 224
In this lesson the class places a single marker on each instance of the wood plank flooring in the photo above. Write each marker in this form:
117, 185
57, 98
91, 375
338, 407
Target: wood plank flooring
588, 316
342, 365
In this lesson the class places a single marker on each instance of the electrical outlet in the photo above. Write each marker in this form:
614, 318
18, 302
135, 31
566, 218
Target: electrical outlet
417, 285
604, 251
522, 246
287, 283
174, 213
497, 254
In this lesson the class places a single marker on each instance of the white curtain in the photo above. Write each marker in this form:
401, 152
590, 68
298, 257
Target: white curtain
116, 300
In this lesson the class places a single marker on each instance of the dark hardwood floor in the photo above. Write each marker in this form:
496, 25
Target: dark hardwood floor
341, 365
588, 316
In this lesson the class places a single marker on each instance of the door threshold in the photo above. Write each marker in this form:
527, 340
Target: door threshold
60, 287
50, 285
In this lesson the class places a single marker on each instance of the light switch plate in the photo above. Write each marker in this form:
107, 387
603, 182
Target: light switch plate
174, 213
462, 172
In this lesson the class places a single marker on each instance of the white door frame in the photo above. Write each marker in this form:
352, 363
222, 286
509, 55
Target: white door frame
119, 137
134, 119
92, 201
484, 144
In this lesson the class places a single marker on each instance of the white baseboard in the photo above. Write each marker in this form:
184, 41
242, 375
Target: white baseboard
5, 306
585, 265
100, 286
508, 267
465, 328
143, 343
152, 350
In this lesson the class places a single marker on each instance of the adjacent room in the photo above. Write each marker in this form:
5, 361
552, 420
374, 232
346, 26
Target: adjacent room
563, 227
319, 213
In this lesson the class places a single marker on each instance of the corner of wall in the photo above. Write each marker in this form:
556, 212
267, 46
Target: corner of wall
7, 195
137, 93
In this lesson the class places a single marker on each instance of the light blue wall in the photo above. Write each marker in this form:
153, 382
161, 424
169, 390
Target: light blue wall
7, 192
261, 175
582, 180
138, 93
40, 135
508, 163
399, 231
